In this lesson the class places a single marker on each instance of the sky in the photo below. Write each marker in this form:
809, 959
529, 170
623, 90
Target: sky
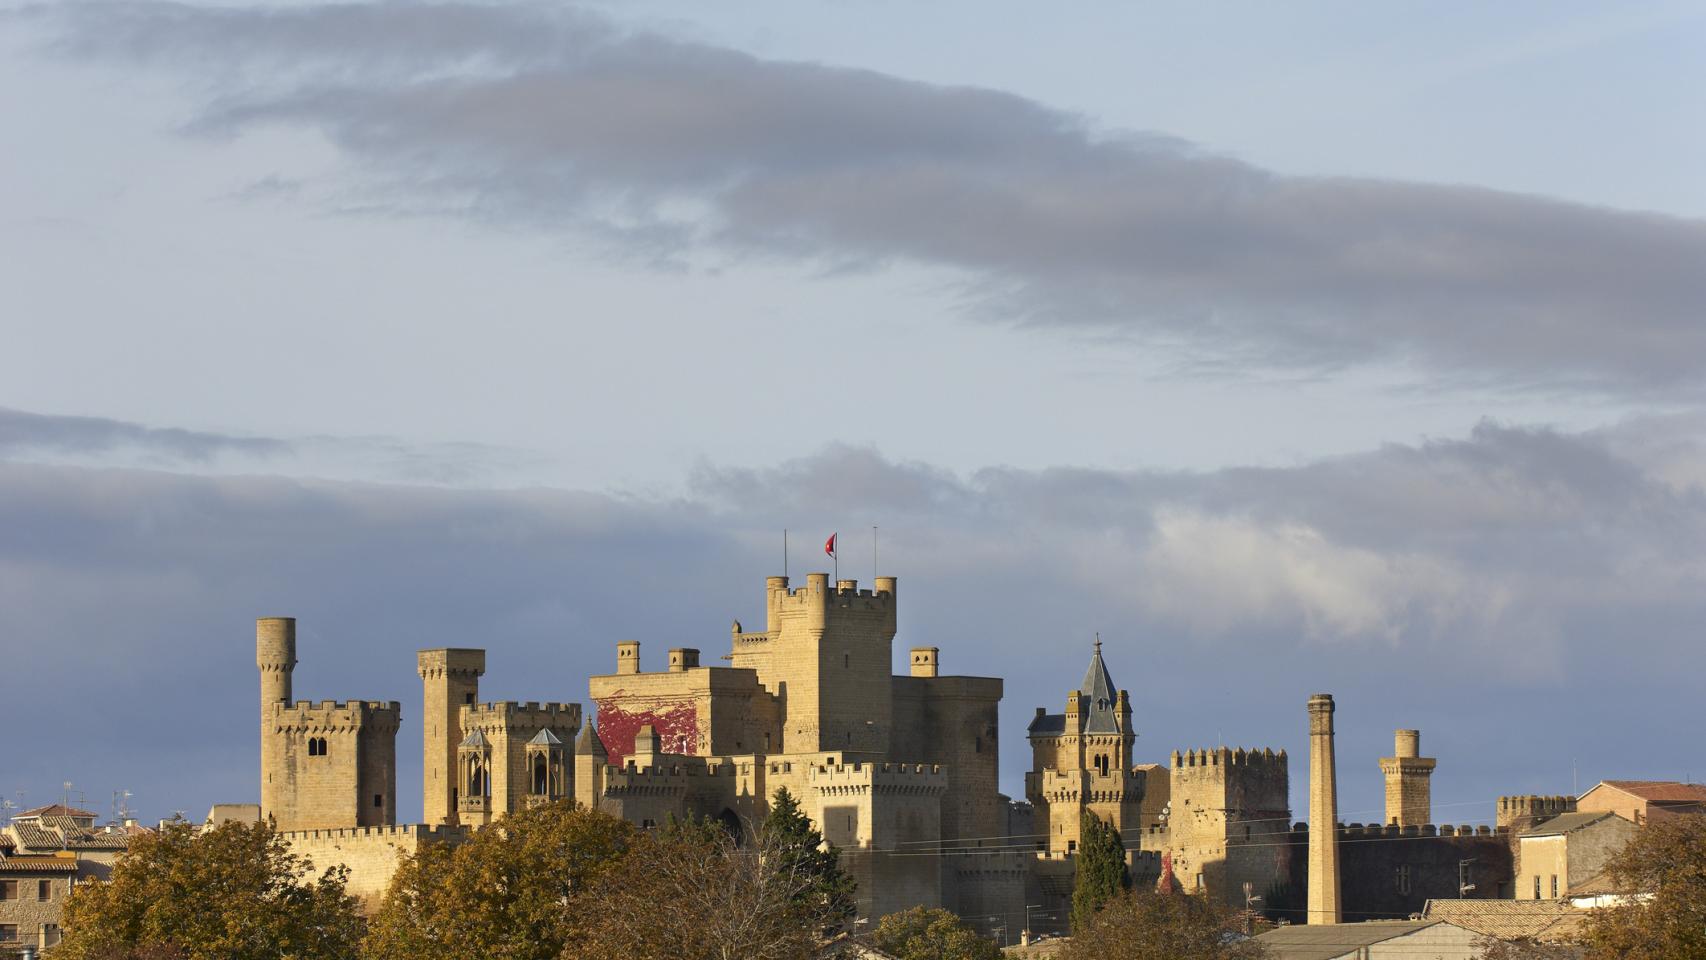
1324, 347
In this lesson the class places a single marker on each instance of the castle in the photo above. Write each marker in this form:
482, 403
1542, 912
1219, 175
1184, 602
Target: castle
894, 770
900, 772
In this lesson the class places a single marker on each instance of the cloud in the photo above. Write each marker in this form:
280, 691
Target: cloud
561, 120
1466, 586
101, 442
27, 434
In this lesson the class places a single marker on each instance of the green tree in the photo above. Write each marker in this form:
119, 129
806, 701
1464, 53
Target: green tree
931, 934
513, 891
803, 851
1159, 926
232, 893
1101, 872
1662, 873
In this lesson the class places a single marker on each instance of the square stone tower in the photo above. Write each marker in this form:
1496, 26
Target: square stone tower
1408, 781
450, 680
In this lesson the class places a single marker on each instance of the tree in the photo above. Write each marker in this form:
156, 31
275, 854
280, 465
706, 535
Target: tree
804, 852
1160, 926
235, 892
690, 891
1101, 873
513, 891
931, 934
1662, 874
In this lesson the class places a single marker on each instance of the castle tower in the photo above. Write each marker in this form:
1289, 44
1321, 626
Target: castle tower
828, 654
1408, 781
590, 762
450, 679
275, 655
1082, 760
1324, 904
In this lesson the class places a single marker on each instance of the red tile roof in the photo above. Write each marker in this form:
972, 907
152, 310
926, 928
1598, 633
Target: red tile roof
57, 810
1662, 791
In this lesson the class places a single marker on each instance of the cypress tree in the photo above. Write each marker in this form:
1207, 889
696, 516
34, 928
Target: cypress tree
1101, 873
804, 851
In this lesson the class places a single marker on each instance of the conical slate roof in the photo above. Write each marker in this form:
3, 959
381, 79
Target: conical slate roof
474, 739
1103, 712
545, 738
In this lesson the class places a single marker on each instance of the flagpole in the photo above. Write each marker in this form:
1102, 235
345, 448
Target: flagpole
873, 556
784, 553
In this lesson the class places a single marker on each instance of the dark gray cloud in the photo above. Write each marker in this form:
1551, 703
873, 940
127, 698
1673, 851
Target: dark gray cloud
99, 441
533, 114
1512, 579
33, 434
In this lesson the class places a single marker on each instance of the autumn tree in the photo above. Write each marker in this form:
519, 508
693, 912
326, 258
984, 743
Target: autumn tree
513, 891
1159, 926
931, 933
693, 891
1662, 873
804, 852
234, 892
1101, 873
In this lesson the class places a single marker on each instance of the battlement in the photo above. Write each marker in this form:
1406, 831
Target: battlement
818, 599
911, 778
1361, 831
1530, 807
1199, 762
414, 831
461, 662
332, 714
519, 713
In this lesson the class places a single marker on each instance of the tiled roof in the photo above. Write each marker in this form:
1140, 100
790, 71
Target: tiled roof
38, 865
57, 810
1547, 920
1328, 941
1662, 791
32, 837
1565, 823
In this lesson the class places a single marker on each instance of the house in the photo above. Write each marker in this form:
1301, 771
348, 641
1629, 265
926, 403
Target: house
1641, 800
44, 853
1561, 854
1539, 921
1377, 940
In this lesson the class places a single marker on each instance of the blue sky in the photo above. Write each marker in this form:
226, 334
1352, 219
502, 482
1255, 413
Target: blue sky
1325, 346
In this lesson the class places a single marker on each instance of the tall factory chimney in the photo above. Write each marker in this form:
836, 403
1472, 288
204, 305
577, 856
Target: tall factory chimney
1324, 904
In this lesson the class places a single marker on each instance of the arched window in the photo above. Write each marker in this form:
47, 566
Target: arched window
313, 746
541, 776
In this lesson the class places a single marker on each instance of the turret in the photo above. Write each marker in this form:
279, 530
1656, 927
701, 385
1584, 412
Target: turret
275, 655
628, 656
590, 762
1408, 778
450, 679
925, 661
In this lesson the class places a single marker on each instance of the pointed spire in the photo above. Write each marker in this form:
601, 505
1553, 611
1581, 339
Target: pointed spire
590, 744
1100, 694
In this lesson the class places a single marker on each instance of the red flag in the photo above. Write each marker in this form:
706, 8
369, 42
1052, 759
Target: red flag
829, 545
